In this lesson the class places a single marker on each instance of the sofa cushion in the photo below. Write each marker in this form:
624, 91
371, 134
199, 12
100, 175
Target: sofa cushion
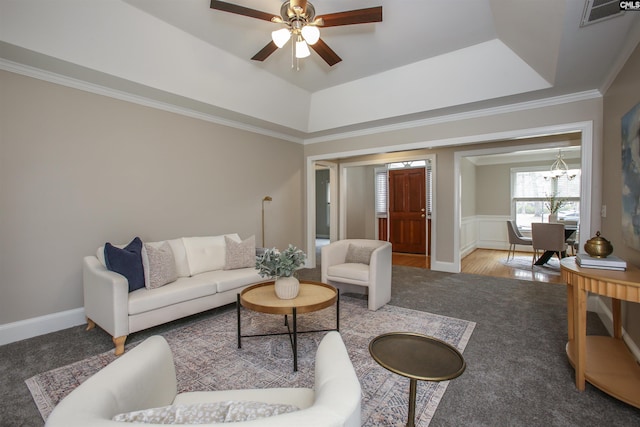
126, 261
359, 254
227, 280
206, 253
183, 289
159, 264
180, 256
206, 413
353, 271
240, 254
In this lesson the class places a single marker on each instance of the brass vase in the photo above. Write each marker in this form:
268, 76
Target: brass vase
598, 247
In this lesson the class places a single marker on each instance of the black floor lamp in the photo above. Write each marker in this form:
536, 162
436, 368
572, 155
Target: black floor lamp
266, 199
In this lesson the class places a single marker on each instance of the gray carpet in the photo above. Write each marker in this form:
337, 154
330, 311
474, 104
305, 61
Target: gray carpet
517, 371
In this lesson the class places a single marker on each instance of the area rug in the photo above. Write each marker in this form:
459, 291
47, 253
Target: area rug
207, 357
552, 267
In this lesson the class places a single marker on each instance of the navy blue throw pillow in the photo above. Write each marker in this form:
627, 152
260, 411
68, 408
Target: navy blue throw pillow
126, 261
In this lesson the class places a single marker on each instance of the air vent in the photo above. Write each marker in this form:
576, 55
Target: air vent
599, 10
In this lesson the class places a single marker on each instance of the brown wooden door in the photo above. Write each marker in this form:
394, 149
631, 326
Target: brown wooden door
407, 210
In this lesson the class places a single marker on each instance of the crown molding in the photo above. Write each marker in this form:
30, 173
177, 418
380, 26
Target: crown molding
508, 108
55, 78
59, 79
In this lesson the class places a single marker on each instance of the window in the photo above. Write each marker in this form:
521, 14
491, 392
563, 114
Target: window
381, 192
531, 190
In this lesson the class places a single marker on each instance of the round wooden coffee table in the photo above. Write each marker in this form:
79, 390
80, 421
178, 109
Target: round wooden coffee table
313, 296
417, 357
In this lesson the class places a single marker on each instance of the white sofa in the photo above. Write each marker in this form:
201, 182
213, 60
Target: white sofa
145, 378
203, 283
358, 263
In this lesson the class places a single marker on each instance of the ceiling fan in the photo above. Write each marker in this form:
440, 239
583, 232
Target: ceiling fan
301, 26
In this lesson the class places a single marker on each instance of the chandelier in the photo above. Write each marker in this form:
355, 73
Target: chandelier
301, 28
559, 168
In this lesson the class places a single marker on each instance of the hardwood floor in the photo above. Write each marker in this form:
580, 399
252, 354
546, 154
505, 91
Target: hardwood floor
490, 263
411, 260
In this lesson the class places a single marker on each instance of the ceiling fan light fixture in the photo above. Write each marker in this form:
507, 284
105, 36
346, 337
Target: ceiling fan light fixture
299, 18
281, 37
302, 50
311, 34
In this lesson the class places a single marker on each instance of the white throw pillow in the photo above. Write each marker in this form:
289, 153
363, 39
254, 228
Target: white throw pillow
206, 253
206, 413
180, 255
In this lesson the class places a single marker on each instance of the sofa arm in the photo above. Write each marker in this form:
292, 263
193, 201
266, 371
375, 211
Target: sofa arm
337, 386
143, 378
332, 254
380, 276
106, 297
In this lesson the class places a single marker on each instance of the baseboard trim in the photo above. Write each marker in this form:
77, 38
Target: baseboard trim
445, 267
29, 328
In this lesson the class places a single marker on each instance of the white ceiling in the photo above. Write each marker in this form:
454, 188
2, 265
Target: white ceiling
427, 58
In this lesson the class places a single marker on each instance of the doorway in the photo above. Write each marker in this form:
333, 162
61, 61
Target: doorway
446, 235
323, 204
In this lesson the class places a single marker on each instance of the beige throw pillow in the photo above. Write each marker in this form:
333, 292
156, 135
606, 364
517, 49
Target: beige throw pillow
240, 254
160, 266
359, 254
206, 413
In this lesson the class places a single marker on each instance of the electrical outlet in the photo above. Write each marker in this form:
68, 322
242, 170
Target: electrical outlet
603, 211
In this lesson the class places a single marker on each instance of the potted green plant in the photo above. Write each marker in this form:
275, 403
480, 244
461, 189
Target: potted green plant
281, 267
553, 204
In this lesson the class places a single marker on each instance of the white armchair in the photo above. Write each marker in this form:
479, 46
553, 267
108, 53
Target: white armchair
359, 262
145, 378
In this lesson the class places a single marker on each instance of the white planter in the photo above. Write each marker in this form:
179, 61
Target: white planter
287, 287
553, 218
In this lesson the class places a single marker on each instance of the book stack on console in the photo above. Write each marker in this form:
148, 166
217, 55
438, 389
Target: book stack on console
611, 262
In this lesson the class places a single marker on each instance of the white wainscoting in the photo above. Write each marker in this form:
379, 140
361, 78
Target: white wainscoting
468, 235
485, 232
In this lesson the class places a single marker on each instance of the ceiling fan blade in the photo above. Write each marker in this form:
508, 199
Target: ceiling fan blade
240, 10
326, 53
265, 52
358, 16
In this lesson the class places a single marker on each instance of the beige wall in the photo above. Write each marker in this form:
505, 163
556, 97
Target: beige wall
361, 204
468, 189
493, 187
79, 169
623, 94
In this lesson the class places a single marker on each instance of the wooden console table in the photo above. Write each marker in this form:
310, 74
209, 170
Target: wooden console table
603, 361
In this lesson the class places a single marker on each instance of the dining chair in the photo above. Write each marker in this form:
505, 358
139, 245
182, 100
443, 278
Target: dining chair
547, 237
572, 236
515, 238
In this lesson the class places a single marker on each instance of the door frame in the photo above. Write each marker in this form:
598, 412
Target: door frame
338, 184
426, 216
587, 198
431, 157
333, 191
592, 175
